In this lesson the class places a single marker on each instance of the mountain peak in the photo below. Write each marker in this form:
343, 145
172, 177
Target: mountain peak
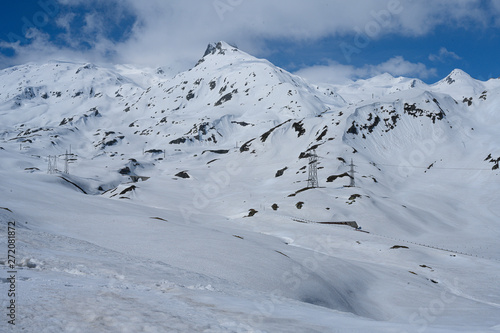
230, 53
459, 85
219, 48
457, 75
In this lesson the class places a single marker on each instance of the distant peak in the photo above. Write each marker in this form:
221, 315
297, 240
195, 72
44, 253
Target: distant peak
456, 74
87, 66
385, 76
211, 49
219, 48
457, 71
224, 49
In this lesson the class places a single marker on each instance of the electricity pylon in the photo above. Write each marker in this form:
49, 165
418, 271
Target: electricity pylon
312, 181
351, 175
68, 158
66, 163
52, 168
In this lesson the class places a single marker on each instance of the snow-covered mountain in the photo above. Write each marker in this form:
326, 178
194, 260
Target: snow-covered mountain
184, 195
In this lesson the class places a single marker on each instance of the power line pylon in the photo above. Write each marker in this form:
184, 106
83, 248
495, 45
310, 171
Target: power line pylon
351, 175
52, 168
66, 163
312, 181
68, 158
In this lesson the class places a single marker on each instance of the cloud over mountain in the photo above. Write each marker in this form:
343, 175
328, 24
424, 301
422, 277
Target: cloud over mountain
155, 32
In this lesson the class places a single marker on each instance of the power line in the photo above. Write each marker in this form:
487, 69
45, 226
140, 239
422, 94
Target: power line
423, 167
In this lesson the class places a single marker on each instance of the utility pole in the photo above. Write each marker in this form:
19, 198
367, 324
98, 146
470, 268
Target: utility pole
312, 181
351, 174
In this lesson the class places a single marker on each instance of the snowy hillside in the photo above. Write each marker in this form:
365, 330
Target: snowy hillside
144, 203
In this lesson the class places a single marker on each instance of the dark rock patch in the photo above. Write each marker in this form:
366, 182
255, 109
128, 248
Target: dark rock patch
280, 172
183, 174
264, 136
220, 151
223, 99
299, 128
332, 178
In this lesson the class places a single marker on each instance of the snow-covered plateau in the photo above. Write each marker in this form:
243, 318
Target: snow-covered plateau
131, 201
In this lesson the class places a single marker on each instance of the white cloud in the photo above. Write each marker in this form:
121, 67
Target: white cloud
495, 8
40, 49
397, 66
336, 73
184, 27
175, 33
444, 55
64, 21
333, 72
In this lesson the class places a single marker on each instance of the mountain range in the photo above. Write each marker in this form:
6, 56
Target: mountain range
202, 181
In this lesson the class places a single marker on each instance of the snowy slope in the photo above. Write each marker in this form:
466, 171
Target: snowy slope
212, 237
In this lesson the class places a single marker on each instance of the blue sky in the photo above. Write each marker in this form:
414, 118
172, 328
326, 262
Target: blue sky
332, 41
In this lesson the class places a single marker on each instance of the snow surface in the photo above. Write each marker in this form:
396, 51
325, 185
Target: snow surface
195, 245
